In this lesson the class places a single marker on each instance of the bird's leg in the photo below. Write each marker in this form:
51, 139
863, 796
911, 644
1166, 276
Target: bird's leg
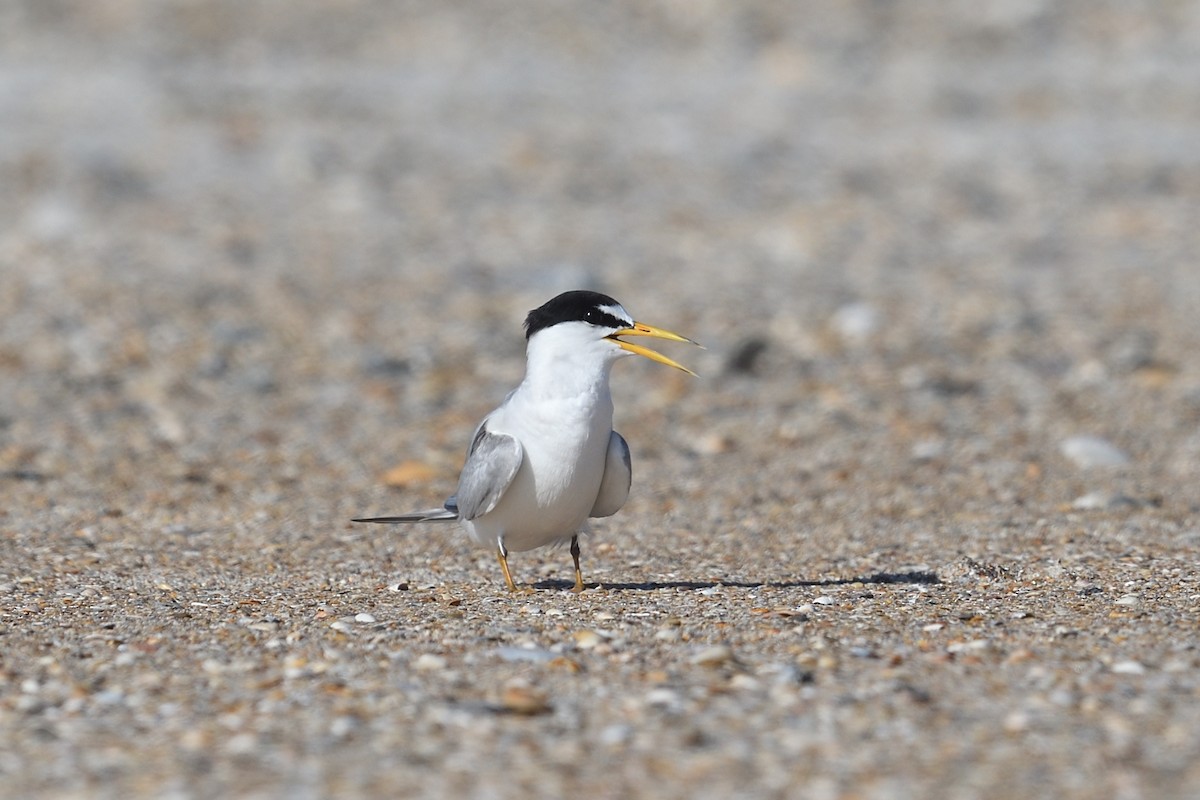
575, 557
502, 555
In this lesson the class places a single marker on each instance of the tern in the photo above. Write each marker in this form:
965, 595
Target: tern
547, 459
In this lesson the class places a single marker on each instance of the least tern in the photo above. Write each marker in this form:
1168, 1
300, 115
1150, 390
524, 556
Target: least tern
548, 459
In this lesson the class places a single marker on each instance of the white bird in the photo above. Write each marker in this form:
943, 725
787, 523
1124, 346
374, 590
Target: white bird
548, 459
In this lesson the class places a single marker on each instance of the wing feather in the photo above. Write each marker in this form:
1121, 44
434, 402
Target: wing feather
492, 463
618, 475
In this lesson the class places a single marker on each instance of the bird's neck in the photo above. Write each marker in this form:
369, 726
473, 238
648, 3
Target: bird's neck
559, 375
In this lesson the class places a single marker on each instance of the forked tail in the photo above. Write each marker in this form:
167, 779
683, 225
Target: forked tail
432, 515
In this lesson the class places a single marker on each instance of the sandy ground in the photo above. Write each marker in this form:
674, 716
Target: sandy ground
927, 525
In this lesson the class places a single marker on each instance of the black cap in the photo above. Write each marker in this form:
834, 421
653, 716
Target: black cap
577, 306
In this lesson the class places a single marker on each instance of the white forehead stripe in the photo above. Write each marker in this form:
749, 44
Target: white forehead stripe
618, 312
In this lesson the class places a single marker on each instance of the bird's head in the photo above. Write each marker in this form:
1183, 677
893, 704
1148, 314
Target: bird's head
590, 323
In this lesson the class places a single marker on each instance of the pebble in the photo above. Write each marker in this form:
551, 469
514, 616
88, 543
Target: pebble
716, 655
1016, 722
587, 639
666, 699
746, 356
409, 473
519, 697
364, 617
429, 662
928, 450
342, 726
1092, 451
712, 444
1102, 501
1129, 667
532, 654
615, 735
743, 682
668, 634
855, 322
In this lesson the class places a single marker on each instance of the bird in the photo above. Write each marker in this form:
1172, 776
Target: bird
547, 458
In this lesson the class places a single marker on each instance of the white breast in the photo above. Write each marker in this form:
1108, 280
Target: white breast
565, 441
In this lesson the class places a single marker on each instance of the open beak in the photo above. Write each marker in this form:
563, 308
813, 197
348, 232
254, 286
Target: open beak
640, 329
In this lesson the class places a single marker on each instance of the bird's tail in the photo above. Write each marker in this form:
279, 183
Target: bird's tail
430, 515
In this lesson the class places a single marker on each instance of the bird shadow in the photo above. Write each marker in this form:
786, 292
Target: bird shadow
915, 577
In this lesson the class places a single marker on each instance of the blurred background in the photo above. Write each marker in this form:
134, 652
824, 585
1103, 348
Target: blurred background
221, 219
285, 247
263, 265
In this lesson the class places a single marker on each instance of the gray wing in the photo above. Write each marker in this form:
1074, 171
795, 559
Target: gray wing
492, 463
618, 474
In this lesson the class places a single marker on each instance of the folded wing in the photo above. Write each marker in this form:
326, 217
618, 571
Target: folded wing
618, 474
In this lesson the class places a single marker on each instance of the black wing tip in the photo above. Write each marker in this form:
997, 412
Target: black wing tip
378, 519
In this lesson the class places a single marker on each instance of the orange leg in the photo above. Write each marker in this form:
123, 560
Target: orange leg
575, 557
502, 555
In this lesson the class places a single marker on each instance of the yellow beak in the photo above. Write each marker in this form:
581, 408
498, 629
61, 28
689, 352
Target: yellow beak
640, 329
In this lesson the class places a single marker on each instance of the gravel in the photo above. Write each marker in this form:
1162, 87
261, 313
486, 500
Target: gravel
263, 267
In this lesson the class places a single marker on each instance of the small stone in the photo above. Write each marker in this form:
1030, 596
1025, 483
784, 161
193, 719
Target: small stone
429, 662
668, 635
533, 654
716, 655
1092, 501
518, 697
586, 639
1016, 722
364, 617
928, 450
743, 682
1019, 656
1102, 501
343, 726
712, 444
745, 357
615, 735
1127, 600
1092, 451
1129, 667
855, 322
242, 744
562, 662
666, 699
409, 473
